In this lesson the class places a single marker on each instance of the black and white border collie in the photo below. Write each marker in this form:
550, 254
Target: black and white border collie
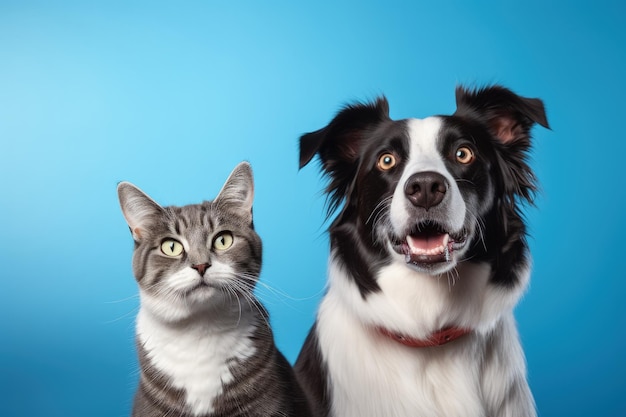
428, 259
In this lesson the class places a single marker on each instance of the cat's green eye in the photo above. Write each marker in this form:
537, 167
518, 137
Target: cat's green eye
171, 247
223, 241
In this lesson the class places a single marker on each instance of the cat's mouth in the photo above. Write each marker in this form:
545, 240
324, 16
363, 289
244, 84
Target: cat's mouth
201, 286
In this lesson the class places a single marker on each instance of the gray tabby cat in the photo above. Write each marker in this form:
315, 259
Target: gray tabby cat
204, 343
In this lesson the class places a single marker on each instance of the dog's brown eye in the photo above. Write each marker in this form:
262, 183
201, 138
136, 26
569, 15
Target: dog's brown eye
465, 155
386, 162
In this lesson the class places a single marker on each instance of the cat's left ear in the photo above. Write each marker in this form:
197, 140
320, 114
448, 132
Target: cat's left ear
238, 190
138, 208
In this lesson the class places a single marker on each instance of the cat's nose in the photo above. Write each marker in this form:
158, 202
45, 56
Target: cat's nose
201, 268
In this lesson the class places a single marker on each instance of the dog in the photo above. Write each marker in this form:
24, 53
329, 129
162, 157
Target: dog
428, 258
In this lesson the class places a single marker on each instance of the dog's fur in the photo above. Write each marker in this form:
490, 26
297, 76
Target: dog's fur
429, 235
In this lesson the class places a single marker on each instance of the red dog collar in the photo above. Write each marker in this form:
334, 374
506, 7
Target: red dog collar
438, 338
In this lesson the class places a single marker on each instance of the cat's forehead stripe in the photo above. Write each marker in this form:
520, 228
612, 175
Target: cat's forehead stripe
190, 220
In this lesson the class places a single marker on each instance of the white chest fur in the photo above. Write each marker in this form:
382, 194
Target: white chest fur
482, 374
374, 376
195, 357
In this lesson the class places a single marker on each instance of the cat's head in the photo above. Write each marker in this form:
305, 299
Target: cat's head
197, 257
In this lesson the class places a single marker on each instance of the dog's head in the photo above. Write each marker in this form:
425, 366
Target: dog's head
433, 192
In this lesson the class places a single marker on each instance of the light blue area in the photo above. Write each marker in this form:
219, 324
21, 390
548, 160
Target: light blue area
172, 96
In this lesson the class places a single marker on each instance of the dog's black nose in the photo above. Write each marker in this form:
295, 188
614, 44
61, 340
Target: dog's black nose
426, 189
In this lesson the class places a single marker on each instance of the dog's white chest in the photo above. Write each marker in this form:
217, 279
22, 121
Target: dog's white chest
379, 377
195, 359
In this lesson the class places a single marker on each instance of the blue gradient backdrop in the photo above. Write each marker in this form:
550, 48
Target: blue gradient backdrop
171, 97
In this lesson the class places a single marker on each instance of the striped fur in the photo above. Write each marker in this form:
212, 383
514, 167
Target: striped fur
204, 341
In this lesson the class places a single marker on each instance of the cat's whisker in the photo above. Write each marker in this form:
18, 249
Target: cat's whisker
232, 293
124, 316
249, 298
281, 295
123, 300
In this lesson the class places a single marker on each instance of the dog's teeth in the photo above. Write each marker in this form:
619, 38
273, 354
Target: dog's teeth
446, 247
424, 246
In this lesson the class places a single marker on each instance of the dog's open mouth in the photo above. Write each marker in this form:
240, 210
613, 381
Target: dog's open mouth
429, 243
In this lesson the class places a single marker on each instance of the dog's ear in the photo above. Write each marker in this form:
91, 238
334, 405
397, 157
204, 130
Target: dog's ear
339, 143
508, 116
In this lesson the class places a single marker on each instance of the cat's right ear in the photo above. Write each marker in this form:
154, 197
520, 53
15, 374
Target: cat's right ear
238, 190
138, 208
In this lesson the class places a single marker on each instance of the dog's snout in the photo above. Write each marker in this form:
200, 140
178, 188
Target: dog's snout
426, 189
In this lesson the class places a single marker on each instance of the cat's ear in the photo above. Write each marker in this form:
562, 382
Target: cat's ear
238, 190
138, 208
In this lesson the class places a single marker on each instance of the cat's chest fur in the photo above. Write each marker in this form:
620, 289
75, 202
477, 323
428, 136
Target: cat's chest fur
196, 357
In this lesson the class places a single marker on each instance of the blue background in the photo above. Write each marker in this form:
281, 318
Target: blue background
172, 97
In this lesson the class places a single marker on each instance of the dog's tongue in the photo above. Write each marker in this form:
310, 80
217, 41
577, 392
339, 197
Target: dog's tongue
428, 244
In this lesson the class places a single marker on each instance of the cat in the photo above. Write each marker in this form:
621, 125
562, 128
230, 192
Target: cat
204, 343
